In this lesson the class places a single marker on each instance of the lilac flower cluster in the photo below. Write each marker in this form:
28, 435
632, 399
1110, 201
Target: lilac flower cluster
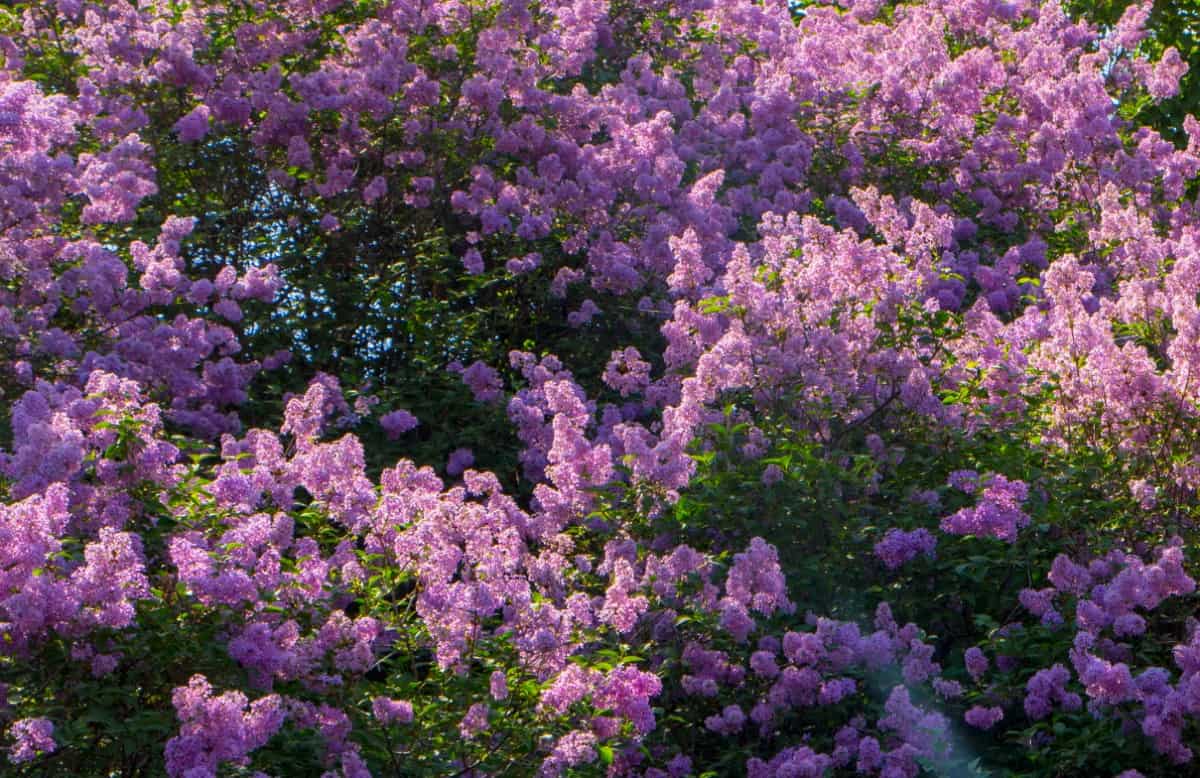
898, 547
998, 513
218, 729
31, 736
805, 670
1106, 597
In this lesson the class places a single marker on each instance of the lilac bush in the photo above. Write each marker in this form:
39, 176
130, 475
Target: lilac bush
578, 387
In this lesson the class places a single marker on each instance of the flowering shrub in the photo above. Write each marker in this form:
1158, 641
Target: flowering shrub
656, 389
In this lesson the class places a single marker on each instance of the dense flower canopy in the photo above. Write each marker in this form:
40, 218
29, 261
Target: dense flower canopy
497, 387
